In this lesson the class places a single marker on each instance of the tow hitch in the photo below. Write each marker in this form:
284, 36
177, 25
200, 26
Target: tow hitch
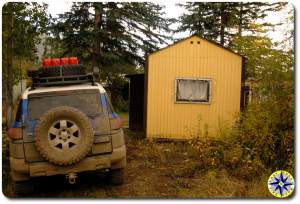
71, 177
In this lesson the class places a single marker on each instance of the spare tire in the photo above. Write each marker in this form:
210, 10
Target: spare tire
64, 135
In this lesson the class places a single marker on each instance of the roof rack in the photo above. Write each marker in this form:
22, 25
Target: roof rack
60, 75
63, 80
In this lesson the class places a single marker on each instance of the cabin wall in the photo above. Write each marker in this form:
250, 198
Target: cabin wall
200, 59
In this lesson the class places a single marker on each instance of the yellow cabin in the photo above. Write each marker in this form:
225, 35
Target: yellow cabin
193, 85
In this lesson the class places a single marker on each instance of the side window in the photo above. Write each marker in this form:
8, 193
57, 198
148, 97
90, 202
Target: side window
109, 105
193, 90
19, 112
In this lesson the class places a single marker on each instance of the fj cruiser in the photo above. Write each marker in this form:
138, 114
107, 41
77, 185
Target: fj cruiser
65, 124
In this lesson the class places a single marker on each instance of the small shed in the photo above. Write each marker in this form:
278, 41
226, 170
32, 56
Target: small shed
136, 103
193, 85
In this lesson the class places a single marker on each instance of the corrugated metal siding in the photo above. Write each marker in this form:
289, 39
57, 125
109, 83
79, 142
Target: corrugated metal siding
167, 119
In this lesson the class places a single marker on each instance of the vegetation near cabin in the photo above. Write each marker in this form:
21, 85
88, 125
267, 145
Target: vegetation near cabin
117, 37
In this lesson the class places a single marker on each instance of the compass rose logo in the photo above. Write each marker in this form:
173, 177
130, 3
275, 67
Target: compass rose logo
281, 184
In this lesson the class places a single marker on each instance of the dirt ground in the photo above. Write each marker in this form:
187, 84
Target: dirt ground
154, 170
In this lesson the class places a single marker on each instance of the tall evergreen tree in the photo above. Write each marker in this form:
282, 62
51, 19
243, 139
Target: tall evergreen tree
113, 36
221, 21
22, 25
112, 33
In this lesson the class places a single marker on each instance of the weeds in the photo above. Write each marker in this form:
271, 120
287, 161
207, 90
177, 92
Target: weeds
250, 149
223, 167
6, 180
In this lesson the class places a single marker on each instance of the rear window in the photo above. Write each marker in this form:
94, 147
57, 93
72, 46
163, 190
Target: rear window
88, 101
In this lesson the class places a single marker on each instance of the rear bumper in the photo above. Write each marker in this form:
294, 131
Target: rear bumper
114, 160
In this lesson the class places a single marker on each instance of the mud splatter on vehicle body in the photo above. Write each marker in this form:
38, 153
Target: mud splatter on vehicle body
65, 124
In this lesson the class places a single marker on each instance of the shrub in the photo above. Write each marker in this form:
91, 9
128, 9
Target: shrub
209, 151
265, 135
262, 139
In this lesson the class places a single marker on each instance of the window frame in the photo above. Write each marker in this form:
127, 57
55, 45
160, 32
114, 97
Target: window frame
63, 93
109, 104
195, 79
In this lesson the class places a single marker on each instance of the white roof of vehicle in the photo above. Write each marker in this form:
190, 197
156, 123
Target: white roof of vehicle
62, 88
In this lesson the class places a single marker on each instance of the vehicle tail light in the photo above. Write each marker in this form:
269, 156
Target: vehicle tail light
15, 133
116, 123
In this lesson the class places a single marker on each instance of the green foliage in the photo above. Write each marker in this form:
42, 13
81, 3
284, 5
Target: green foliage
263, 138
266, 133
252, 148
118, 88
210, 152
29, 21
114, 36
6, 179
264, 62
222, 21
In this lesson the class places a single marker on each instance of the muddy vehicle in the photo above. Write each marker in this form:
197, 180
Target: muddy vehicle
65, 124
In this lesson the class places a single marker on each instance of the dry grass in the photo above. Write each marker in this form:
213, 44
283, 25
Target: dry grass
155, 170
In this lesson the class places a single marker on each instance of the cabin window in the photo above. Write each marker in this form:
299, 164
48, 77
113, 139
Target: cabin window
192, 90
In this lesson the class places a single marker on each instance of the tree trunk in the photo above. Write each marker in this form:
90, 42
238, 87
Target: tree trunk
9, 81
222, 27
222, 38
97, 47
97, 28
240, 25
